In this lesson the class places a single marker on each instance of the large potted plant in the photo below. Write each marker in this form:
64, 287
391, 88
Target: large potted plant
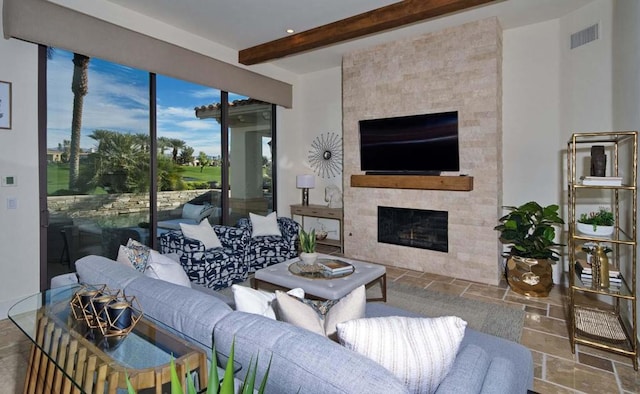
530, 231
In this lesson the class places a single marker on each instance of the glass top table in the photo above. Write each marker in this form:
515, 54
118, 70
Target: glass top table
66, 355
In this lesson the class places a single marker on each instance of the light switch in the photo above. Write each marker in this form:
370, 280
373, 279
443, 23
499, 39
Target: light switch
12, 203
9, 180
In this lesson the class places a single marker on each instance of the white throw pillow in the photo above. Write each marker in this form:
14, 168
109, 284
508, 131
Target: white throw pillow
134, 254
323, 319
202, 232
123, 256
259, 302
419, 351
164, 268
196, 212
264, 225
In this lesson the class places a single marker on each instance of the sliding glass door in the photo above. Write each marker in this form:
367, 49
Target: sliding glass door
130, 153
98, 158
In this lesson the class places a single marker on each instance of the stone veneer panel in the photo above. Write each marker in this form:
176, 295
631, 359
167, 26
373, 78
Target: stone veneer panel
459, 69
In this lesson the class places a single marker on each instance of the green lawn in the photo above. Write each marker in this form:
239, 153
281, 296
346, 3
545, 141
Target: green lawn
58, 176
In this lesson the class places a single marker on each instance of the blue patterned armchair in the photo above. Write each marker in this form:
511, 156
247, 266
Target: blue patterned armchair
215, 268
267, 250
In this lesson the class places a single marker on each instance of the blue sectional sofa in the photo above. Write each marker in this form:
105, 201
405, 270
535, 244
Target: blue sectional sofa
301, 361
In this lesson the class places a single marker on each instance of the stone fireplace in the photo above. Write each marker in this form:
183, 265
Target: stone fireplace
416, 228
456, 69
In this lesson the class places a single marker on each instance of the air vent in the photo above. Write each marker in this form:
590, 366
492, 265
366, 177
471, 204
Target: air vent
584, 36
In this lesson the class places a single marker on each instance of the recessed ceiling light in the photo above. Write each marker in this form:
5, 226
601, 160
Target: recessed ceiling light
290, 31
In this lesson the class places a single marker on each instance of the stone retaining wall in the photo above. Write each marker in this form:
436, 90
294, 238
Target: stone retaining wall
118, 204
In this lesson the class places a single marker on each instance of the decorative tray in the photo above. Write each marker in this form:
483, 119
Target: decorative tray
599, 324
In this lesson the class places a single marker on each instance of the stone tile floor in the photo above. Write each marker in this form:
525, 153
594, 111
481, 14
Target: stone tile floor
557, 369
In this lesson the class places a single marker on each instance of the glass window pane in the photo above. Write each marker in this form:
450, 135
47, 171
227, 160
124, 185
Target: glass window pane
189, 169
98, 157
250, 156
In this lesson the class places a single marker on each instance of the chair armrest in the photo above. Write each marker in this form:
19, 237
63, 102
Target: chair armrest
289, 228
175, 242
232, 237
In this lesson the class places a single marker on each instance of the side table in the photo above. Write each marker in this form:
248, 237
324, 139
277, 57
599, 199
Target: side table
322, 212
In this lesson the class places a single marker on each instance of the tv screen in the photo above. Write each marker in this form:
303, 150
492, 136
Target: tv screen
416, 144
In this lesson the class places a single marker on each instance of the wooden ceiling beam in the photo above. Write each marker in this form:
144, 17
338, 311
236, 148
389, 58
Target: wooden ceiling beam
375, 21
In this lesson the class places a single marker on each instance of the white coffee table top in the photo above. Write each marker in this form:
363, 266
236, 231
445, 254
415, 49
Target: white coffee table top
330, 289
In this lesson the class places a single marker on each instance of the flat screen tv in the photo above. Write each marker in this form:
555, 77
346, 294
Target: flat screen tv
417, 144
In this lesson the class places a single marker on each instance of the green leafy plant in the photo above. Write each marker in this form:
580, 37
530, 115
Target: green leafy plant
602, 217
214, 387
530, 230
308, 241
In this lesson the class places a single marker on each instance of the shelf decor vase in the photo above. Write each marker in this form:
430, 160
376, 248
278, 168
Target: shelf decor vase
308, 258
603, 266
600, 231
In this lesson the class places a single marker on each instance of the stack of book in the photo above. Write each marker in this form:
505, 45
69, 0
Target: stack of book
583, 269
601, 180
335, 267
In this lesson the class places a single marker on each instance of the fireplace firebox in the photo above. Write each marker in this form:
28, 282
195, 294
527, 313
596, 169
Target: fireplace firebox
418, 228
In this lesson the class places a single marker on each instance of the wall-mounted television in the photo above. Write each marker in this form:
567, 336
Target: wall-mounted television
418, 144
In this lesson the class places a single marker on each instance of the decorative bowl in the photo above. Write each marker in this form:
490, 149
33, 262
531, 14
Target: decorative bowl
320, 235
600, 231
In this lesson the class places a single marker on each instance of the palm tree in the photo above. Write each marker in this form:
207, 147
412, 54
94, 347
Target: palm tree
80, 88
176, 144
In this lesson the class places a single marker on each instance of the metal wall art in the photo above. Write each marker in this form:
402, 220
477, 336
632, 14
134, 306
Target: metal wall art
325, 156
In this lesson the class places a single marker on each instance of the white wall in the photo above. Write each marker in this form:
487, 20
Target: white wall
19, 240
626, 78
318, 110
531, 114
549, 93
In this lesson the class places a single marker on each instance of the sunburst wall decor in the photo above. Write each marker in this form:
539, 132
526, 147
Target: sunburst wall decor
325, 156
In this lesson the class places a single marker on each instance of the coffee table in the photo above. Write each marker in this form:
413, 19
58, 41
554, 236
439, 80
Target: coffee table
64, 359
368, 274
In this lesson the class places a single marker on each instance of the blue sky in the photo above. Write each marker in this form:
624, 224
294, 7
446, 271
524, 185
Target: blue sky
118, 100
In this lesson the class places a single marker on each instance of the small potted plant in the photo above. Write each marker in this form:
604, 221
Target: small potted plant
599, 223
530, 231
308, 253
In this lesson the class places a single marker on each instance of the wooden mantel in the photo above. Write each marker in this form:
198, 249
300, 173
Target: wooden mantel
424, 182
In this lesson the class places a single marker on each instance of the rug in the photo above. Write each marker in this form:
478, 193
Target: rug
486, 317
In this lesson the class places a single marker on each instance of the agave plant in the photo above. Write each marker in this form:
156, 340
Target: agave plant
214, 387
308, 241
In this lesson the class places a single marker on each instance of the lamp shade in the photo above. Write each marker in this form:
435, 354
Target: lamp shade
305, 181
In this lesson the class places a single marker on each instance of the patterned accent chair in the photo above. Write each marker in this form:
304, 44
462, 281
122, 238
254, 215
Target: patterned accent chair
215, 268
264, 251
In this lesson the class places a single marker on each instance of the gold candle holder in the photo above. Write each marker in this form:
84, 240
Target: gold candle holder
111, 311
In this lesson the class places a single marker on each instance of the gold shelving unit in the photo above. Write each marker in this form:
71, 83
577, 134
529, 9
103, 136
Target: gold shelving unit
605, 318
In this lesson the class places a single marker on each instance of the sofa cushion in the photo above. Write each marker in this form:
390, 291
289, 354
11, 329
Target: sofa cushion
264, 225
419, 351
188, 311
321, 317
97, 270
301, 362
468, 372
518, 356
202, 232
259, 302
500, 378
164, 268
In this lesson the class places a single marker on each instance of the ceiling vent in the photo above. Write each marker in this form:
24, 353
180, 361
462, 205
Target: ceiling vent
584, 36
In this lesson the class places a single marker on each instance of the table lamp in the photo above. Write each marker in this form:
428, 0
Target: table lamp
305, 182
